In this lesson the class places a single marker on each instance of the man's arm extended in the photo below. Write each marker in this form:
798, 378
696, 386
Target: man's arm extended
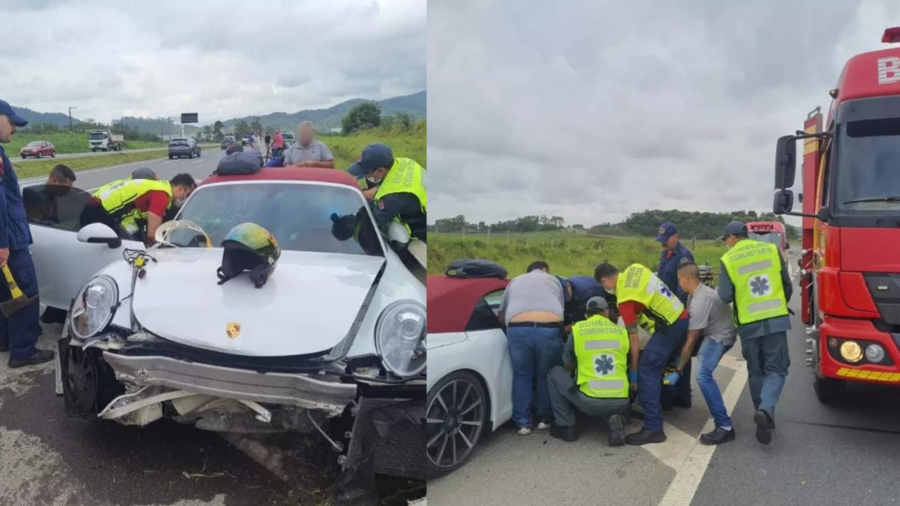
327, 164
153, 222
628, 311
688, 349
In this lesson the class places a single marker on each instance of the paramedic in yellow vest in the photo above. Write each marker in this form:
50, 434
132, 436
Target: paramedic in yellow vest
597, 351
127, 205
644, 300
754, 278
396, 188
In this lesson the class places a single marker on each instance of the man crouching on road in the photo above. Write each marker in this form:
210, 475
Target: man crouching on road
532, 311
710, 317
645, 300
19, 332
597, 350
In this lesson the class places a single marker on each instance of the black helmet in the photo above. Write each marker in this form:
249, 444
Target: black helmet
144, 173
250, 247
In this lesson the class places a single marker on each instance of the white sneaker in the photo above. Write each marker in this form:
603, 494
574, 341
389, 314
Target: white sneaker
524, 431
544, 426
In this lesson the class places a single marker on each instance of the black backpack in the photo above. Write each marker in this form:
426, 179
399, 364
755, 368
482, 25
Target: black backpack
239, 163
475, 268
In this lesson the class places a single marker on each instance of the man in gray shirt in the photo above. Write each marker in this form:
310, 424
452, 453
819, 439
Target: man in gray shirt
532, 311
307, 151
711, 318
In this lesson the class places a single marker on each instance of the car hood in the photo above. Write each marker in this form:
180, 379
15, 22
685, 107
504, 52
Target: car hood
307, 306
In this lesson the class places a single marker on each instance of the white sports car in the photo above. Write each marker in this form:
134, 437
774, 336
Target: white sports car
334, 336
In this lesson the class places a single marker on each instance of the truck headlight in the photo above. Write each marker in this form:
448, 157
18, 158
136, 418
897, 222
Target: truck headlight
399, 338
851, 351
94, 307
874, 353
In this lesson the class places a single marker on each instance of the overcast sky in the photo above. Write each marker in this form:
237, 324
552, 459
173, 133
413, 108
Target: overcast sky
222, 59
592, 110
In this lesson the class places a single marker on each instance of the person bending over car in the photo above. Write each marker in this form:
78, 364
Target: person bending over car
129, 205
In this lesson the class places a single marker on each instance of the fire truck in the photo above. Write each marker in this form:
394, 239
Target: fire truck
850, 263
769, 231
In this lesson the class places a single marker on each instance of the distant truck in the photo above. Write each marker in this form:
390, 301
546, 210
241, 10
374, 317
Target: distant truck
769, 231
104, 140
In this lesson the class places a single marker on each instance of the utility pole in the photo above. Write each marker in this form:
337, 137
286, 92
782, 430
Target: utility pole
70, 118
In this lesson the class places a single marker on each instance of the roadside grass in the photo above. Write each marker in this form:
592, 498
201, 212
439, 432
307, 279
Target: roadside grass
67, 142
409, 144
43, 167
567, 253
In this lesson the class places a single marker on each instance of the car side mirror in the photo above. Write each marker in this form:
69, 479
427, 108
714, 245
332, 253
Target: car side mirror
785, 162
98, 233
784, 202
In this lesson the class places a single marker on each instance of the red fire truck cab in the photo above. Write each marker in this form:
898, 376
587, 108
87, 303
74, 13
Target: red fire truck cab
769, 231
850, 265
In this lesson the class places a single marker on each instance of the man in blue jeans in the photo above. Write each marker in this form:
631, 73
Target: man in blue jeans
532, 311
711, 318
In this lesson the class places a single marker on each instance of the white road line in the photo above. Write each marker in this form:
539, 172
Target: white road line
198, 161
692, 468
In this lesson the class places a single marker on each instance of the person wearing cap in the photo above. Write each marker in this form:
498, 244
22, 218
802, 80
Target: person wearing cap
532, 313
144, 173
308, 151
582, 289
645, 301
754, 278
674, 255
597, 352
399, 193
19, 332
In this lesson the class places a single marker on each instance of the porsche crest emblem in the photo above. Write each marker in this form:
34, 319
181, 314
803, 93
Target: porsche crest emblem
233, 330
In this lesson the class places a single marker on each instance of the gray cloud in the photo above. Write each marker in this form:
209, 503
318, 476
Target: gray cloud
594, 110
224, 59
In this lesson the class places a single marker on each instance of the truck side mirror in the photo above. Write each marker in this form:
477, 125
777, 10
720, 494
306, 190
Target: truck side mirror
785, 162
784, 202
823, 214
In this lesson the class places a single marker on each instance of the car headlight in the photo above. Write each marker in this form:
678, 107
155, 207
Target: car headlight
874, 353
851, 351
399, 338
94, 307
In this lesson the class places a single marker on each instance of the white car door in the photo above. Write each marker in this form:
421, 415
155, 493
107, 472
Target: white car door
64, 264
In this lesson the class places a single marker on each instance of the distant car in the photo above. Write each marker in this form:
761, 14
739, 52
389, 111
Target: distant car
179, 148
228, 140
38, 149
288, 139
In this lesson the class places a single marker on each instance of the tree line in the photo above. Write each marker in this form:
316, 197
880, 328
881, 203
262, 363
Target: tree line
701, 225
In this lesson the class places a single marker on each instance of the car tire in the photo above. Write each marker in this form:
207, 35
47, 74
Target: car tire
53, 154
190, 155
38, 155
467, 416
171, 157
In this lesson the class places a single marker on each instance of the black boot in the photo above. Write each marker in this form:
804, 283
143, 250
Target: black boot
616, 430
39, 357
565, 433
645, 436
4, 347
717, 436
764, 426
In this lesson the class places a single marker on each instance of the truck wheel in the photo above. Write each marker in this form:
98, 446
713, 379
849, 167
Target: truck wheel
827, 389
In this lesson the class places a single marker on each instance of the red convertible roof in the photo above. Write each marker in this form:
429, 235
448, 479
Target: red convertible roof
289, 174
452, 300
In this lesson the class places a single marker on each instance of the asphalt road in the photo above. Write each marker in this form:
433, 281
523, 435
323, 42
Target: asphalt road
820, 455
18, 159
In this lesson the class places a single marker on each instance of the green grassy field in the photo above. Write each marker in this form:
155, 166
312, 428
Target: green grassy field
568, 254
404, 144
66, 142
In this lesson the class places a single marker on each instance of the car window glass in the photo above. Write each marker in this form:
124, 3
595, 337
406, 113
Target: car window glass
302, 217
484, 317
55, 206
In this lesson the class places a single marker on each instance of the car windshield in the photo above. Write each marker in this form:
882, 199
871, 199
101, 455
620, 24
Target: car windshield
770, 237
33, 144
867, 175
299, 215
178, 143
97, 136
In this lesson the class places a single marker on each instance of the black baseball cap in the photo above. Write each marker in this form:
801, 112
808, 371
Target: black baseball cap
374, 156
596, 303
734, 228
7, 110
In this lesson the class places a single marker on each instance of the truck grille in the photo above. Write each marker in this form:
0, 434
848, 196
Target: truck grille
885, 291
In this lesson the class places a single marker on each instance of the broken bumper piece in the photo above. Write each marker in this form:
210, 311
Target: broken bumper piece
193, 387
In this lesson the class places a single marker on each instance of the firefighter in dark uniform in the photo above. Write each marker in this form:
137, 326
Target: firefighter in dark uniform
673, 256
18, 333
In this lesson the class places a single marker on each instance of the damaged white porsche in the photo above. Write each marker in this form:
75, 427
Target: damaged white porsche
334, 337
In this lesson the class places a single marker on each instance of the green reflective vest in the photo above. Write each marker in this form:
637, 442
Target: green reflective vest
639, 284
405, 176
601, 351
118, 197
754, 268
